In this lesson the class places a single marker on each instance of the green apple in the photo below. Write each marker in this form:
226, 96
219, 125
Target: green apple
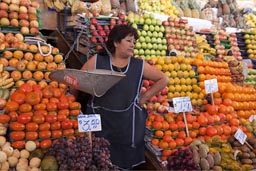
149, 46
141, 52
147, 52
159, 40
162, 28
146, 15
147, 39
143, 45
141, 20
158, 52
149, 33
160, 34
153, 39
136, 18
134, 25
136, 51
143, 33
138, 45
148, 21
164, 41
159, 46
153, 52
155, 34
152, 28
153, 21
142, 39
157, 28
158, 22
163, 53
151, 16
145, 27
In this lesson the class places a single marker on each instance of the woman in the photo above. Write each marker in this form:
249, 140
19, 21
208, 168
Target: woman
121, 108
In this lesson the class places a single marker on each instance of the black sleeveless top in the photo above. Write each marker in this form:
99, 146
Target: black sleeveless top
123, 121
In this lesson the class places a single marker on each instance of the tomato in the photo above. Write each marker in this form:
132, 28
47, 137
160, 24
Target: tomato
31, 135
66, 124
51, 106
25, 107
32, 98
18, 145
61, 117
51, 118
16, 126
44, 126
68, 132
45, 143
55, 125
74, 105
32, 126
75, 123
54, 100
44, 134
40, 106
41, 112
63, 105
17, 135
63, 112
39, 119
26, 88
71, 98
11, 106
36, 87
18, 96
4, 118
57, 92
76, 112
56, 133
13, 115
47, 92
63, 98
24, 118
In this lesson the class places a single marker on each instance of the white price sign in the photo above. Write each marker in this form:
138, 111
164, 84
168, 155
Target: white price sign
182, 104
211, 86
252, 118
240, 136
89, 123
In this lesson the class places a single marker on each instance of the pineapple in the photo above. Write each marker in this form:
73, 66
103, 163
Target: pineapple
186, 10
195, 9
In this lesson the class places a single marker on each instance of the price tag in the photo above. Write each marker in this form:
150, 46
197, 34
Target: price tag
182, 104
89, 123
240, 136
252, 118
211, 86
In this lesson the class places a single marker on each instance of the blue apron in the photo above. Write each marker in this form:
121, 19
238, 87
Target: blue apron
123, 120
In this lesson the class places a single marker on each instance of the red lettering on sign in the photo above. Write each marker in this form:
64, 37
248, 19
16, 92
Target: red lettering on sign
71, 80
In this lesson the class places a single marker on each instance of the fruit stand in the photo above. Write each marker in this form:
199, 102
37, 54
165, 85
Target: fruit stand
204, 119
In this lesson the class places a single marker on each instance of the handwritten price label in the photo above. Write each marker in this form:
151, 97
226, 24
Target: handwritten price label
240, 136
182, 104
89, 123
211, 86
252, 118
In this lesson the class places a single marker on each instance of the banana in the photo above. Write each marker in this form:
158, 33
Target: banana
1, 68
9, 85
6, 82
59, 6
6, 93
49, 3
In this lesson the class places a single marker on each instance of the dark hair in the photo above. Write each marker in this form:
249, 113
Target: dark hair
118, 33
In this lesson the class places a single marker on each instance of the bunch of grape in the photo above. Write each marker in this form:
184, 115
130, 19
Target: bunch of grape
182, 160
80, 154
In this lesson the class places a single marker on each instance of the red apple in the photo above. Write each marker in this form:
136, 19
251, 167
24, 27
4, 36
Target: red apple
3, 14
24, 30
4, 6
23, 16
14, 22
93, 21
93, 40
143, 90
145, 83
24, 23
165, 23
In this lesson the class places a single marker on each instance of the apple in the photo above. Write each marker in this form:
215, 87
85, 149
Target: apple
95, 33
93, 40
98, 47
4, 22
143, 90
32, 17
100, 40
14, 22
25, 3
24, 23
145, 83
92, 27
105, 27
4, 6
14, 7
3, 14
99, 27
161, 109
32, 10
150, 107
23, 9
21, 65
102, 33
93, 21
34, 23
153, 99
2, 103
23, 16
121, 16
34, 30
24, 30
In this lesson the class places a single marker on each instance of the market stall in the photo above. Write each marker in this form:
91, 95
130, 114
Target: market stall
203, 119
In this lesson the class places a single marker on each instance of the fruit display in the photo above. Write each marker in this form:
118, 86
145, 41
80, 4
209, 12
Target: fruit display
245, 153
95, 36
159, 7
203, 46
180, 36
40, 115
189, 8
20, 15
250, 20
236, 69
249, 39
81, 154
151, 41
250, 125
251, 78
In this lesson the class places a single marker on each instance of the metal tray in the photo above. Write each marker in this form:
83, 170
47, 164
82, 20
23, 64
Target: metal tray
95, 82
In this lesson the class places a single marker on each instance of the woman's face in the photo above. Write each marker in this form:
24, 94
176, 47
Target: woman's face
126, 46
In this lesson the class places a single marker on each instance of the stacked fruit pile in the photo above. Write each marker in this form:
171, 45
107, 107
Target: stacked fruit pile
203, 46
251, 78
151, 41
99, 29
28, 62
180, 36
20, 15
249, 39
41, 115
242, 45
